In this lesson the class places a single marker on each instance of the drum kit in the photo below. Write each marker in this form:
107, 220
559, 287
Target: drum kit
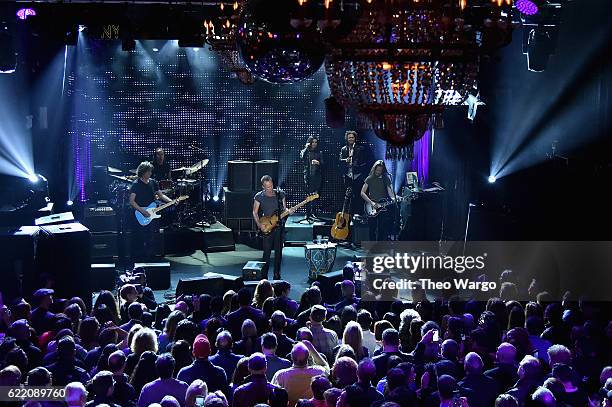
187, 181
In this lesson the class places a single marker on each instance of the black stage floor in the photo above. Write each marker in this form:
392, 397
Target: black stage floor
294, 268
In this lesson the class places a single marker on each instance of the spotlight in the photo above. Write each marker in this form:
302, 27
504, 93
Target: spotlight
69, 203
492, 179
33, 178
216, 198
540, 46
527, 7
24, 13
155, 49
82, 28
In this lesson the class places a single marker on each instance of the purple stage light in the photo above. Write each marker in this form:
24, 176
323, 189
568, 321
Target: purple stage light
527, 7
24, 13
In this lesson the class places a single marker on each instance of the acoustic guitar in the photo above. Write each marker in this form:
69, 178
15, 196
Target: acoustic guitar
270, 223
340, 228
153, 210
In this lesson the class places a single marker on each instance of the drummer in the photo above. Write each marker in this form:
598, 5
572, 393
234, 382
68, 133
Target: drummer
161, 167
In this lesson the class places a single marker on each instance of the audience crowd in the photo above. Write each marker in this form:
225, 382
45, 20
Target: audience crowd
356, 349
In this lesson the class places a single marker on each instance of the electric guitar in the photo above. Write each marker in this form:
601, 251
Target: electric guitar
372, 212
269, 223
340, 228
153, 210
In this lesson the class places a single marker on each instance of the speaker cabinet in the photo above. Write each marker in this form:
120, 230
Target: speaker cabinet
103, 276
328, 285
158, 274
238, 204
17, 261
265, 167
253, 271
104, 245
64, 258
240, 175
210, 283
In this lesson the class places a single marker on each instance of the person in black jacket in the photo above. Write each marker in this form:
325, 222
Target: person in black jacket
354, 158
312, 160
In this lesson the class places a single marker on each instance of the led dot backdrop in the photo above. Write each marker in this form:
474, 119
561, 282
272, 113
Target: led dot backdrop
125, 104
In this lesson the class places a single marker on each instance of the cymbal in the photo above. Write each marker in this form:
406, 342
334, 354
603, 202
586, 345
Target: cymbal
199, 165
122, 178
114, 170
134, 171
181, 169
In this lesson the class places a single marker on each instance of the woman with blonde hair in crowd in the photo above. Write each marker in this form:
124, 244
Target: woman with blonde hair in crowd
263, 291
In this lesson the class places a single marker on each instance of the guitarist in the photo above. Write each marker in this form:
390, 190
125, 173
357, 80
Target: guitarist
376, 187
142, 192
270, 201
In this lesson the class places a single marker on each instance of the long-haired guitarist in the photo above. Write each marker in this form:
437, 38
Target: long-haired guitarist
377, 187
143, 192
269, 201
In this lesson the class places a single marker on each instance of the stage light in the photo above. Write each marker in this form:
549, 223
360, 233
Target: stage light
527, 7
492, 179
33, 178
540, 46
216, 198
82, 28
155, 49
24, 13
69, 203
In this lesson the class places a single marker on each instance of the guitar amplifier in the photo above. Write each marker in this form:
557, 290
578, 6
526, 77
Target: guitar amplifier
100, 218
253, 271
158, 274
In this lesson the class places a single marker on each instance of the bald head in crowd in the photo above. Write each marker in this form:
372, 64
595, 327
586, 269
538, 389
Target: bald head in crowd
299, 355
506, 353
473, 364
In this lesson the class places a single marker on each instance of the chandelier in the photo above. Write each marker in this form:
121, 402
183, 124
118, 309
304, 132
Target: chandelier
405, 62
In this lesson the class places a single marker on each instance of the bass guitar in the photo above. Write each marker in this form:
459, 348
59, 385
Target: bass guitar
154, 210
269, 223
372, 212
340, 228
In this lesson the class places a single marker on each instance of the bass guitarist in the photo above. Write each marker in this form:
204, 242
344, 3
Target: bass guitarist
142, 192
270, 201
376, 187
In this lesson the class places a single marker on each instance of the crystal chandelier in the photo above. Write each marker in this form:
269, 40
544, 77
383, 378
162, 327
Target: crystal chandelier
404, 62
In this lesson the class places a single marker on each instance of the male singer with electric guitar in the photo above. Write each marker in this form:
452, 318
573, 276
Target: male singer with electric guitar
376, 189
270, 202
143, 193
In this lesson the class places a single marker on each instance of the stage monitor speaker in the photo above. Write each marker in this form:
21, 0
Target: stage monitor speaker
64, 258
265, 167
238, 204
253, 271
158, 274
17, 260
210, 283
103, 276
240, 175
55, 219
328, 285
